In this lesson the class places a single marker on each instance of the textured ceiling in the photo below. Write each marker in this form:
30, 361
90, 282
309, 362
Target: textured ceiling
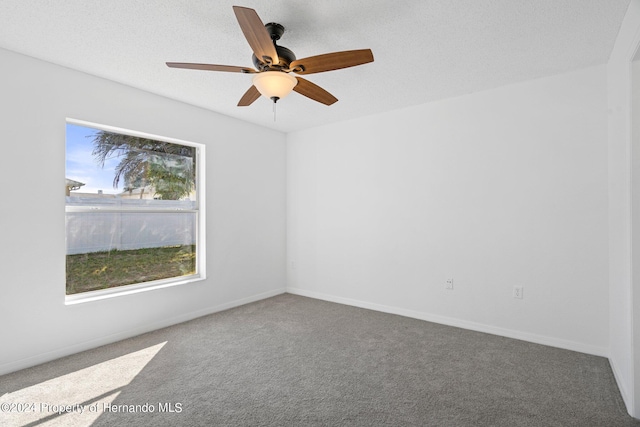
424, 50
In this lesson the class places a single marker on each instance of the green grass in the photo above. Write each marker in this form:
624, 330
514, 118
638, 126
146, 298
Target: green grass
103, 270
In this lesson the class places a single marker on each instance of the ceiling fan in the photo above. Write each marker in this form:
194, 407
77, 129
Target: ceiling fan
273, 63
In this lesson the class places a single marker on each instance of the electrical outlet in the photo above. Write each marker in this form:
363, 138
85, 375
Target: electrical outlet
449, 284
518, 292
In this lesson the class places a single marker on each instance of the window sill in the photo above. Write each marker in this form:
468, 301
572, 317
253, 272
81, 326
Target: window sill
128, 290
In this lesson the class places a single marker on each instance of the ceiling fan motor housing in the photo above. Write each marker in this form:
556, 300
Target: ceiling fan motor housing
285, 55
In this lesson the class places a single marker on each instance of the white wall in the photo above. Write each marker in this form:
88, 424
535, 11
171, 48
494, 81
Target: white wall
496, 189
245, 211
621, 330
633, 303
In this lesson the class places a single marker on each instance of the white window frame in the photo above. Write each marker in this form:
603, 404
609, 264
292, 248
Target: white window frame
199, 210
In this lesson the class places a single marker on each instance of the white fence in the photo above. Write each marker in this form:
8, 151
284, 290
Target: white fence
94, 226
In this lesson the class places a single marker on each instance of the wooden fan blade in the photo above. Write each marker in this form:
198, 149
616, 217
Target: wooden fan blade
256, 34
331, 61
249, 96
313, 91
211, 67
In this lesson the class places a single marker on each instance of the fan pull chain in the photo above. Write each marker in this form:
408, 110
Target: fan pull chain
275, 99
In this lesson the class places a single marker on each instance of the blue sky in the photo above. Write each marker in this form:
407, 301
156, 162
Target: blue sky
82, 166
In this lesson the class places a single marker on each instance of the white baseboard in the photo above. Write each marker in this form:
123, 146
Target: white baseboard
626, 396
138, 330
465, 324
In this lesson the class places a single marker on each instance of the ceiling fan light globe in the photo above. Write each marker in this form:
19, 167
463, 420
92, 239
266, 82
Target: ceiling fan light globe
276, 84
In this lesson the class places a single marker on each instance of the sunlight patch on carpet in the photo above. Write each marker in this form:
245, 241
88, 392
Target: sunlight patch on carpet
86, 392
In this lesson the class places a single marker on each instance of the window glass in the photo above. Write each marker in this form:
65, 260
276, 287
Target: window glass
131, 209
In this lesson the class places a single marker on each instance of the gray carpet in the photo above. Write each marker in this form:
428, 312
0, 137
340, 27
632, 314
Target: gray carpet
295, 361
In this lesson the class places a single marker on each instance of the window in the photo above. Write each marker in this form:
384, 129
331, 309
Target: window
132, 211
